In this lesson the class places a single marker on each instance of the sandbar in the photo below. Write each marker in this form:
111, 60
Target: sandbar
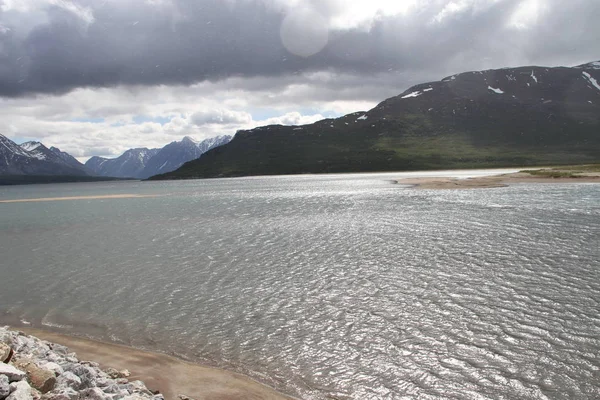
169, 375
494, 181
99, 197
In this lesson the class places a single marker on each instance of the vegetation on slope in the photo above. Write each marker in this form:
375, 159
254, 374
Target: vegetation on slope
458, 122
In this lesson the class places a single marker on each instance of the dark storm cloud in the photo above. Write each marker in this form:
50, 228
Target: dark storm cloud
54, 49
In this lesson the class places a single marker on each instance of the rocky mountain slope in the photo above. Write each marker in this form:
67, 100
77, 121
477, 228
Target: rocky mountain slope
33, 158
175, 154
129, 165
503, 117
143, 163
69, 159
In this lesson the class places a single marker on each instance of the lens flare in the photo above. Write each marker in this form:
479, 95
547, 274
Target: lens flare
304, 32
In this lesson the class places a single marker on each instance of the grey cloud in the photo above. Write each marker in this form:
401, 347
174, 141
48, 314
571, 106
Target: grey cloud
224, 117
53, 50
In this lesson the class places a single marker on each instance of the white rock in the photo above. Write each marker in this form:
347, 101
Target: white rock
59, 349
135, 396
11, 372
68, 379
93, 394
137, 387
4, 387
54, 367
22, 391
63, 394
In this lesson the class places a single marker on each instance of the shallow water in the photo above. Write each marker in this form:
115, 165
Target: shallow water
333, 286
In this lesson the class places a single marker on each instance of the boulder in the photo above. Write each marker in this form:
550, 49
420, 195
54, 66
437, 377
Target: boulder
111, 389
184, 397
11, 372
103, 382
136, 387
20, 391
59, 349
114, 374
93, 394
135, 396
61, 394
87, 375
54, 367
4, 387
41, 379
69, 379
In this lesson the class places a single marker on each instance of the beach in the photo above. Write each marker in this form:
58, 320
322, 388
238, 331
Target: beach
170, 376
101, 197
497, 181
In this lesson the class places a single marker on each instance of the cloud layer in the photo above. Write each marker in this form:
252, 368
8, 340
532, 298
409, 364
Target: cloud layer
229, 64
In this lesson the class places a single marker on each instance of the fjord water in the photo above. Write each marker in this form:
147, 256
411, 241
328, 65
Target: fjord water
333, 286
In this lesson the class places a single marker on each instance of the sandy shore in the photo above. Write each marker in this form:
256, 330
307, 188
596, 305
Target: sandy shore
108, 196
164, 373
493, 181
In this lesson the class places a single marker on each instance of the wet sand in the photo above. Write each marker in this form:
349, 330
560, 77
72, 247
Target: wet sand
167, 374
494, 181
108, 196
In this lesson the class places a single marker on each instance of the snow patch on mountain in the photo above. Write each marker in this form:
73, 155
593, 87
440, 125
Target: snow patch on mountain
591, 65
534, 77
413, 94
33, 158
30, 146
592, 80
495, 90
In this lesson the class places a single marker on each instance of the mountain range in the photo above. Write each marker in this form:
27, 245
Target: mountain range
35, 159
502, 117
143, 163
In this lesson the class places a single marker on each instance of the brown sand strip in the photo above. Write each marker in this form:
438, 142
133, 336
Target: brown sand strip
107, 196
492, 181
165, 373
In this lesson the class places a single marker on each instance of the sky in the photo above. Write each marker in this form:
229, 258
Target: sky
97, 77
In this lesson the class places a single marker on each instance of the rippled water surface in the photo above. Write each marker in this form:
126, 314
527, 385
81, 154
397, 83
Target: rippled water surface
326, 287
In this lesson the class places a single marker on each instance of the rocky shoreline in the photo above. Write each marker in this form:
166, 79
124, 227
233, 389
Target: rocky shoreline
34, 369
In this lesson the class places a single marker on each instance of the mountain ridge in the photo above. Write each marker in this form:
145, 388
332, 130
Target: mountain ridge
504, 117
142, 163
32, 158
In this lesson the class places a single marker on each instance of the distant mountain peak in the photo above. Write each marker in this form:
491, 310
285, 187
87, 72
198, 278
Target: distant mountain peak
143, 162
590, 65
33, 158
175, 154
30, 146
189, 139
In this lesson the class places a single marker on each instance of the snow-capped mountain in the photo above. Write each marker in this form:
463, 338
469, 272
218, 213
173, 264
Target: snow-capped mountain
41, 152
33, 158
143, 163
175, 154
129, 165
